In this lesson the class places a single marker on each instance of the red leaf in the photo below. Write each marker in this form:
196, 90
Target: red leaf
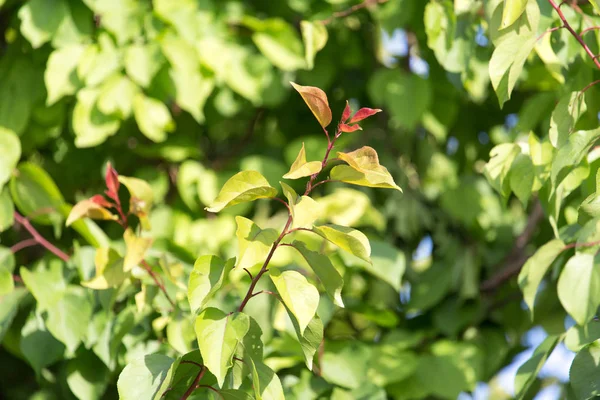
316, 100
101, 201
364, 113
112, 182
346, 113
350, 128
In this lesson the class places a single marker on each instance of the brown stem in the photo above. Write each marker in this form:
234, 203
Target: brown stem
158, 282
284, 203
575, 34
39, 238
586, 244
353, 9
210, 388
586, 30
23, 244
194, 384
549, 31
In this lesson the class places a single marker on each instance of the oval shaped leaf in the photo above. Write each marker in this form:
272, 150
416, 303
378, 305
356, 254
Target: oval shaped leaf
206, 278
579, 287
143, 378
254, 243
88, 208
353, 241
301, 168
218, 335
363, 169
300, 297
316, 100
242, 187
585, 372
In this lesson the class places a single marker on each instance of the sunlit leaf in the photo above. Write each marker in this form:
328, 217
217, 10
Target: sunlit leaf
89, 209
363, 169
314, 35
301, 168
254, 243
135, 249
579, 287
300, 297
242, 187
305, 210
206, 279
316, 100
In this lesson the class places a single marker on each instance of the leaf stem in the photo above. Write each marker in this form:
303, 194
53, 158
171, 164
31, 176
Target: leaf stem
161, 285
23, 244
39, 238
194, 384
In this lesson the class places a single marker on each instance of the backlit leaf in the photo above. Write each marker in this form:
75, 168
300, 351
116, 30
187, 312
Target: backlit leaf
565, 116
301, 168
305, 210
314, 35
254, 243
316, 100
135, 249
206, 279
351, 240
153, 117
242, 187
579, 287
89, 209
300, 297
363, 169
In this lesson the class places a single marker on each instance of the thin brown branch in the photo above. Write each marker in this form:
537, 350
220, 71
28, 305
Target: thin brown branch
195, 384
158, 282
572, 31
249, 273
549, 31
514, 261
211, 388
586, 30
39, 238
351, 10
23, 244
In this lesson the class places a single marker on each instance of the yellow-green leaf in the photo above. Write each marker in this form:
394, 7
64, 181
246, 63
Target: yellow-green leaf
351, 240
242, 187
254, 243
301, 168
316, 100
141, 198
87, 208
109, 270
300, 297
206, 278
314, 35
136, 248
512, 11
363, 169
305, 210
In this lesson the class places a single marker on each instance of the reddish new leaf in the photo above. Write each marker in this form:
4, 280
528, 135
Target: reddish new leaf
346, 113
350, 128
112, 182
316, 100
101, 201
364, 113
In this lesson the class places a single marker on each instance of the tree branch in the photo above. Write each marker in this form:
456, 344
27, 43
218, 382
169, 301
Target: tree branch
24, 222
351, 10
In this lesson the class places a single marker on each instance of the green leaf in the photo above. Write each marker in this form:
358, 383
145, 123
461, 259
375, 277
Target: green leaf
242, 187
116, 96
512, 50
300, 297
254, 243
340, 366
47, 285
87, 376
40, 19
38, 346
251, 349
10, 147
564, 117
363, 169
153, 117
585, 371
144, 377
267, 385
386, 263
7, 284
305, 210
277, 41
301, 168
512, 10
109, 270
9, 305
142, 62
535, 268
91, 126
310, 339
206, 279
497, 169
99, 61
527, 372
218, 336
60, 75
571, 154
314, 35
316, 100
578, 337
7, 210
66, 319
579, 287
353, 241
192, 89
522, 177
330, 278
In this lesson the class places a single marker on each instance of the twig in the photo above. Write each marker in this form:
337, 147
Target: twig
549, 31
211, 388
353, 9
148, 268
194, 384
575, 34
39, 238
23, 244
249, 273
516, 258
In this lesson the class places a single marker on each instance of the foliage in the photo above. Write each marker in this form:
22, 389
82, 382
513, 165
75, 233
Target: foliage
246, 247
